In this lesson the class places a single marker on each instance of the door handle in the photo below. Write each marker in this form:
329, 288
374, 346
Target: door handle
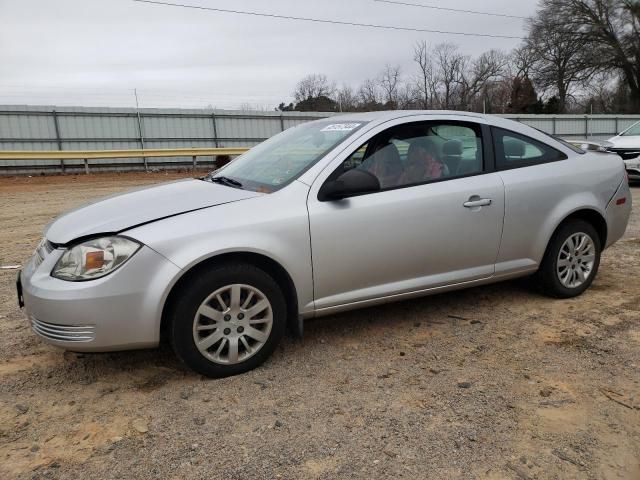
477, 202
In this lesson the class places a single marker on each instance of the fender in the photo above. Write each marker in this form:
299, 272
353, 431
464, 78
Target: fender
568, 207
239, 228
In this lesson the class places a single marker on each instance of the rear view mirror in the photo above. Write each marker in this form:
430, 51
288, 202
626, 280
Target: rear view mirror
350, 183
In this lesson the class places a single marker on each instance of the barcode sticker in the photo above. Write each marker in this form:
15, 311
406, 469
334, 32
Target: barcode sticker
340, 127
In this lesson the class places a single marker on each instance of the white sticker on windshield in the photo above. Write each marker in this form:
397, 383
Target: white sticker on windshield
340, 127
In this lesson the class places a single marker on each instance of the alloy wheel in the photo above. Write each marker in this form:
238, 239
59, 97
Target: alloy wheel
576, 260
232, 324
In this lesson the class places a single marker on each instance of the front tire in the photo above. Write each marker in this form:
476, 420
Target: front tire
227, 320
571, 261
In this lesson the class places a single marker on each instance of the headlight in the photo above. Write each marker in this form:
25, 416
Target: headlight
588, 146
94, 258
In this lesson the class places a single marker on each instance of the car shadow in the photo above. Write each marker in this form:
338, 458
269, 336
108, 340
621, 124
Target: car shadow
433, 309
147, 370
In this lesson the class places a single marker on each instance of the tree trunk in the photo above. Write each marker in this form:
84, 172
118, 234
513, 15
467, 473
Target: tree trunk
634, 90
562, 98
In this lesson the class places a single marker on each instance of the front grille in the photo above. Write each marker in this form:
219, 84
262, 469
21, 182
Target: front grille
626, 153
65, 333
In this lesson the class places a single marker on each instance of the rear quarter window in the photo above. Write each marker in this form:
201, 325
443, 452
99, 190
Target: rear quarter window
514, 150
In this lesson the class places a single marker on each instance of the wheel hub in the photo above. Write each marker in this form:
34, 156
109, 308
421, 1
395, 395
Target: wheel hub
232, 324
576, 260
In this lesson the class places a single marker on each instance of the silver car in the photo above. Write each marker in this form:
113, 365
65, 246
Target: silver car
627, 145
332, 215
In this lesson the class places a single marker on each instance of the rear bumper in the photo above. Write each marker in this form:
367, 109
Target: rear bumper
617, 214
120, 311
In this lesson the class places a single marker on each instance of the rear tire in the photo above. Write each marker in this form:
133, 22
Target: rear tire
571, 261
227, 320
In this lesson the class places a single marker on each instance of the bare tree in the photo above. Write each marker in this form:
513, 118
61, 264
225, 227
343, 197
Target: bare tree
569, 42
451, 65
496, 96
408, 97
347, 100
487, 68
313, 86
608, 31
562, 60
522, 60
369, 95
389, 80
601, 94
427, 80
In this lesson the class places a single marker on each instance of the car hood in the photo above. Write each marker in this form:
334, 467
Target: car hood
123, 211
632, 141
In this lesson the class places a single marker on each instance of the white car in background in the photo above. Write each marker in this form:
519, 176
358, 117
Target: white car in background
627, 145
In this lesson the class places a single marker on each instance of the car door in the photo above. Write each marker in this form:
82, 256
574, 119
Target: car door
421, 231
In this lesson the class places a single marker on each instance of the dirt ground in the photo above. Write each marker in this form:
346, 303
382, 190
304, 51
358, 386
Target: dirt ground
495, 382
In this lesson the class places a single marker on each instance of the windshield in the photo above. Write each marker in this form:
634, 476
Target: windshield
632, 131
284, 157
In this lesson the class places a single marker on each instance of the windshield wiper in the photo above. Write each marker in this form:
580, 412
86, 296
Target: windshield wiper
229, 182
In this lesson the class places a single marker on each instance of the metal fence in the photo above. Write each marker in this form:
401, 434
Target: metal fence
594, 127
75, 128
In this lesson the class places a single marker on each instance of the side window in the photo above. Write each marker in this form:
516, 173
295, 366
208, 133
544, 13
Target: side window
356, 158
420, 152
514, 150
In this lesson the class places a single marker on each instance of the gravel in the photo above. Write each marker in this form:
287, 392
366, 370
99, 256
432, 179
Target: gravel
449, 386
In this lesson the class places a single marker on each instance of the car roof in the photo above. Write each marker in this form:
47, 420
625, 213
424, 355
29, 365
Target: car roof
393, 114
386, 115
380, 117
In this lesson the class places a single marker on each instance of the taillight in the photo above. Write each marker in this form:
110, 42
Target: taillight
621, 201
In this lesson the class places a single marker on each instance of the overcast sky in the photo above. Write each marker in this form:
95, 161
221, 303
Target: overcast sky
95, 52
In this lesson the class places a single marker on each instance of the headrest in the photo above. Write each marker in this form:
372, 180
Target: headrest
513, 148
452, 147
390, 149
423, 142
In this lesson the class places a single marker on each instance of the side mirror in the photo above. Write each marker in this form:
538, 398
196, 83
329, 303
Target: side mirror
350, 183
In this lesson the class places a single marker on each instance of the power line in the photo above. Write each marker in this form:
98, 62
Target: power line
319, 20
448, 9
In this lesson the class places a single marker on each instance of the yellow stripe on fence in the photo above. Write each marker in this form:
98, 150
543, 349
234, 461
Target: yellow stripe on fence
95, 154
86, 155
